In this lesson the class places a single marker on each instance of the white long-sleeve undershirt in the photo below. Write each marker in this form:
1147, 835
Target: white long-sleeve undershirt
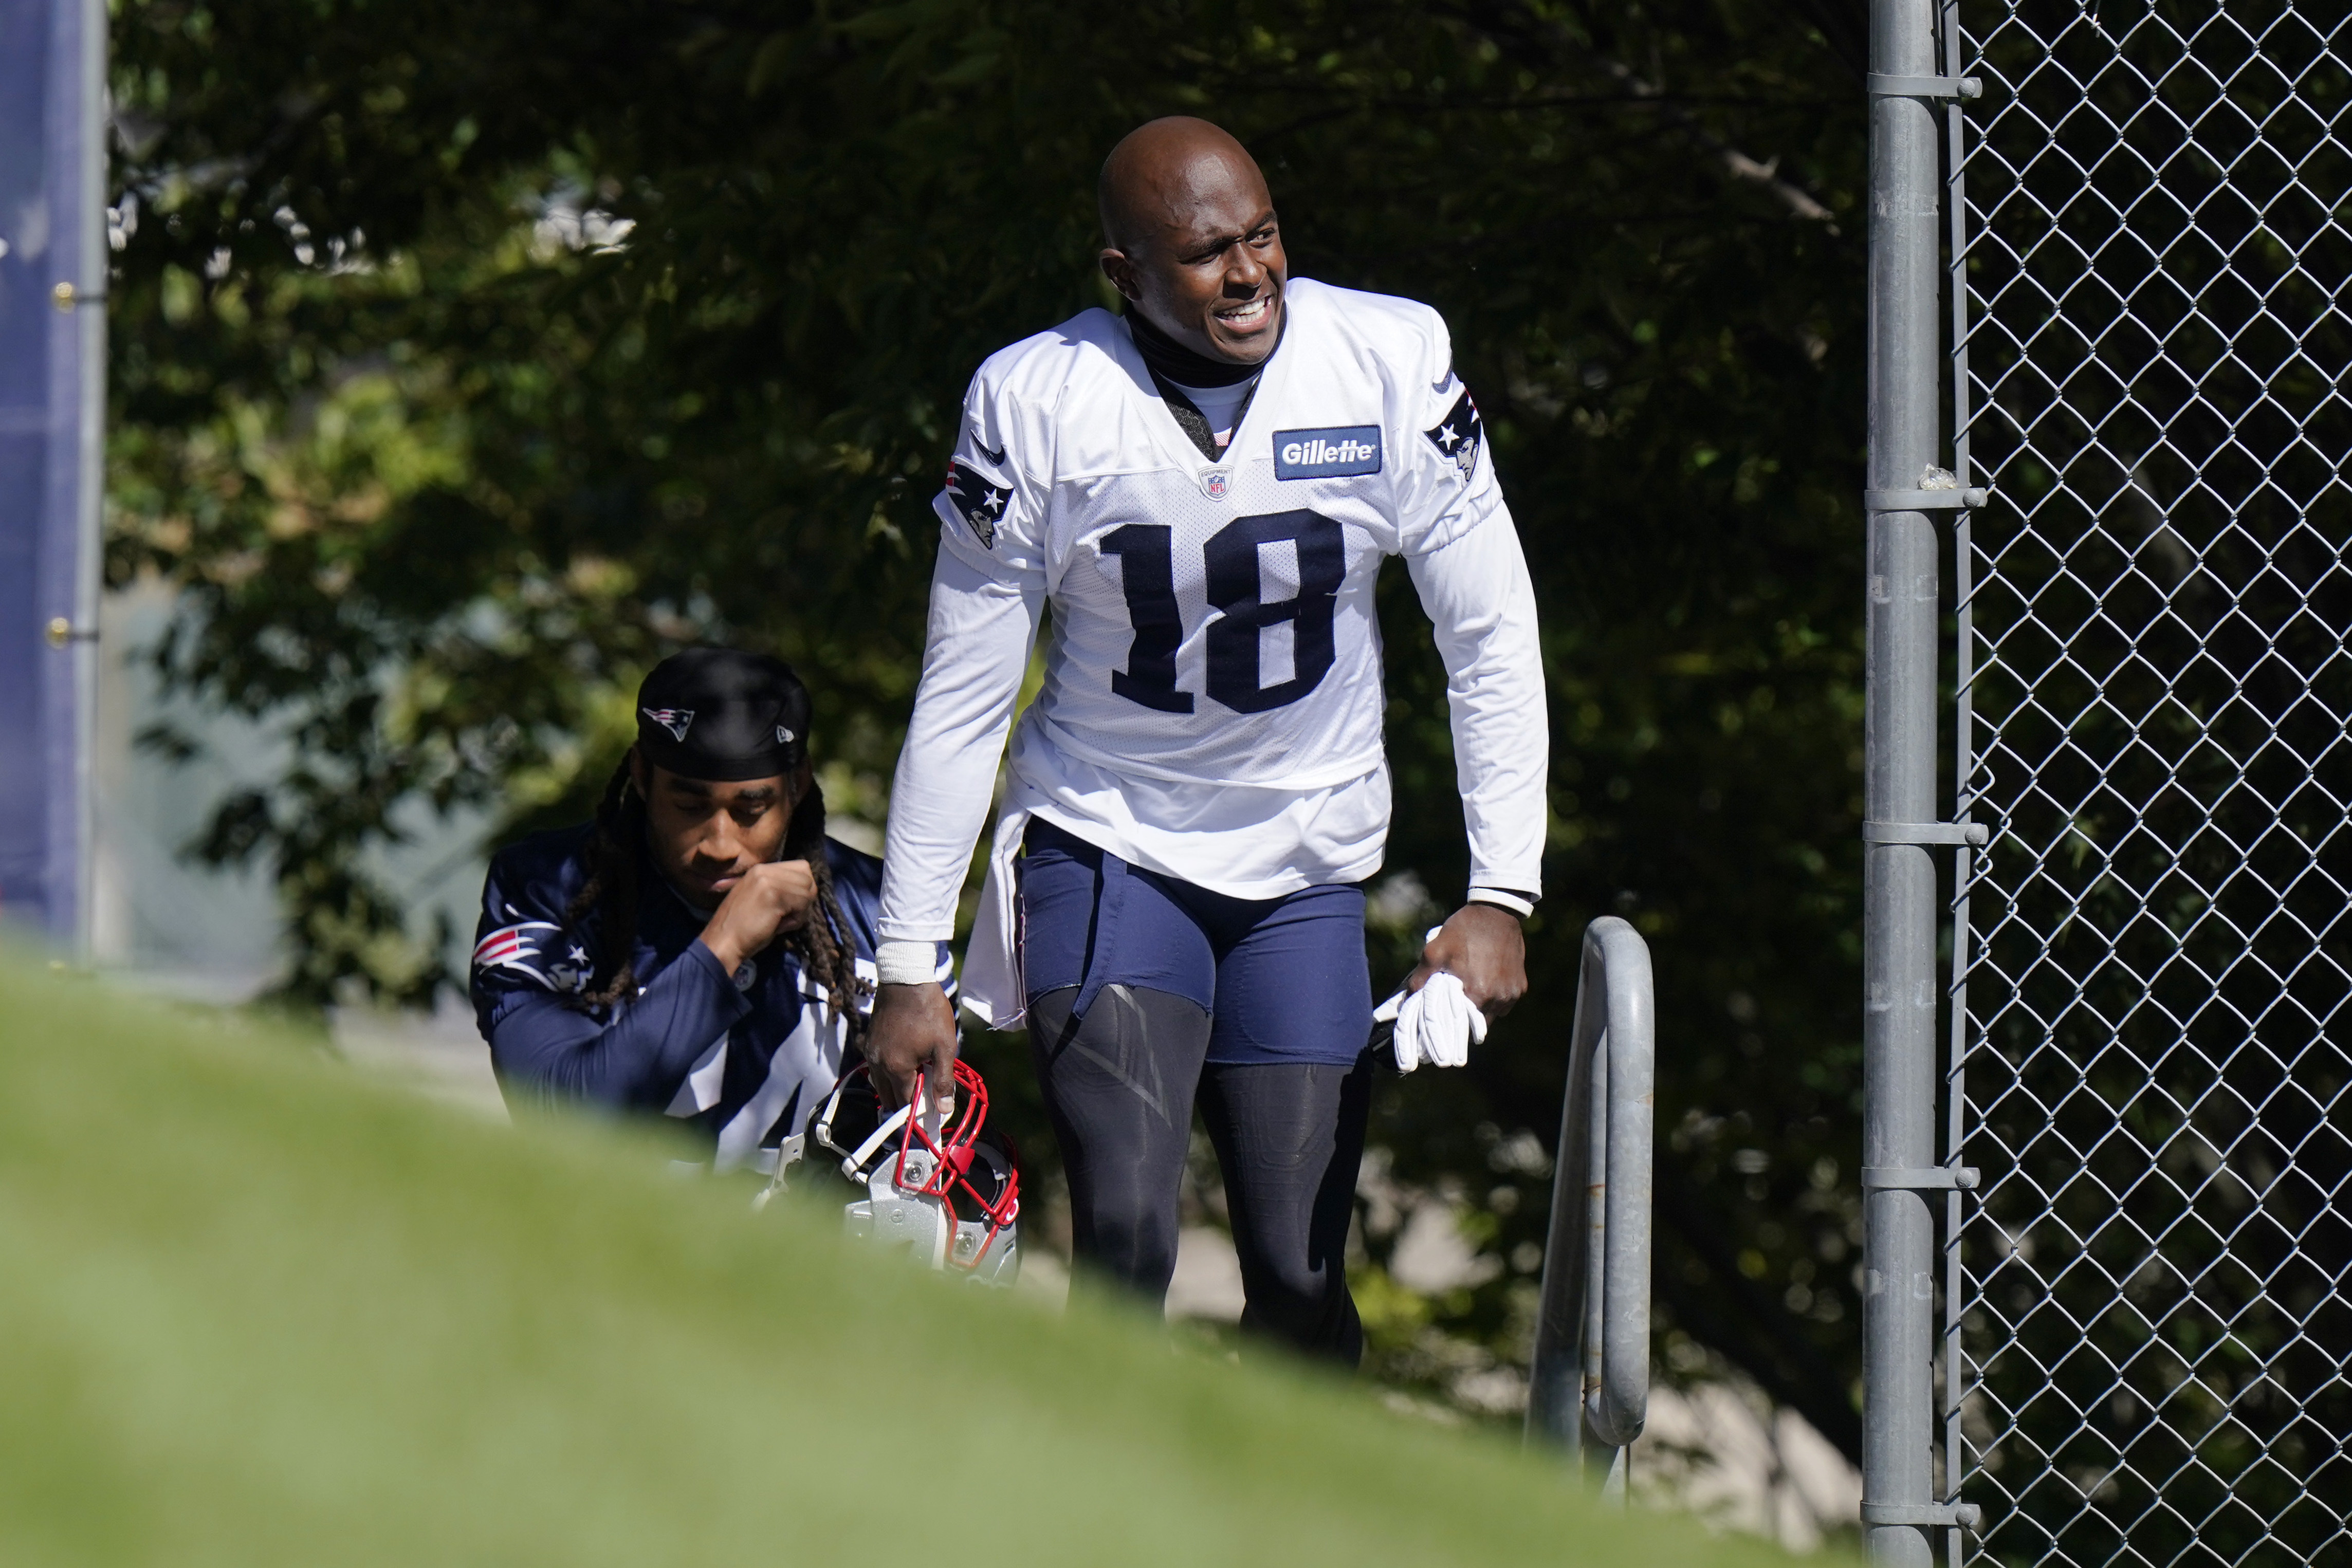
1482, 605
975, 652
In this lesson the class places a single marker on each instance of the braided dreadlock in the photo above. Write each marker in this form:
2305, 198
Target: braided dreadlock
617, 850
822, 945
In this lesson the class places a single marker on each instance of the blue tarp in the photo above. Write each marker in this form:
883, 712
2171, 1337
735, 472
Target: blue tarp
51, 370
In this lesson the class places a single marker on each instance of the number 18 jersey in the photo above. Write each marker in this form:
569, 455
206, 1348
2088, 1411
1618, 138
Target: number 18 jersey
1213, 619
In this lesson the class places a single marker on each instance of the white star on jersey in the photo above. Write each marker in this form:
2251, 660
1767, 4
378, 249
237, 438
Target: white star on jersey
1212, 701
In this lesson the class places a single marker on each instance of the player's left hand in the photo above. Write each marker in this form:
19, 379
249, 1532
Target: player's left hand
1482, 946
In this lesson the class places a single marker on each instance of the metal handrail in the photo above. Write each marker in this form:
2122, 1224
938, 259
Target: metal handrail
1590, 1383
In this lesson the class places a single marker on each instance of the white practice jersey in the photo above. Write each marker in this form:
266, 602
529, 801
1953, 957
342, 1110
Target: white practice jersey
1212, 700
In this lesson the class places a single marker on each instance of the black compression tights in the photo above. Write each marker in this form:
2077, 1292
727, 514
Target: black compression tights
1119, 1084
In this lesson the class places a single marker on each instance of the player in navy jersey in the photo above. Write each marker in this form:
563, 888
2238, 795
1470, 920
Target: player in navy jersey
1204, 489
703, 949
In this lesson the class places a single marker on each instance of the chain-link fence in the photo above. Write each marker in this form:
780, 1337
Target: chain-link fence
2152, 1311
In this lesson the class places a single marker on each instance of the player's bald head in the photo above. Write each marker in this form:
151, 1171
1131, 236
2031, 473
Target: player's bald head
1190, 239
1162, 170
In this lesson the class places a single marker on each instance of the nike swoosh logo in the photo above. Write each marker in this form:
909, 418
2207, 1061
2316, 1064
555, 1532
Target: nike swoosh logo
996, 457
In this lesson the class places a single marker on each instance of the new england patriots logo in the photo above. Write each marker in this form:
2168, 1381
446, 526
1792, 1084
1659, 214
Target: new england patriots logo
1459, 434
676, 720
978, 502
517, 947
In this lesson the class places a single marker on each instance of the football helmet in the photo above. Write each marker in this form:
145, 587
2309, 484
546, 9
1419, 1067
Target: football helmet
941, 1186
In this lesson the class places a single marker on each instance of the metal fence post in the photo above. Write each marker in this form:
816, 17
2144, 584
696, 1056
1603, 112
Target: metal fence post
1900, 989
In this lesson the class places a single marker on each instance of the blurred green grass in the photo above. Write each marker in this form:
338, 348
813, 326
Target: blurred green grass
258, 1309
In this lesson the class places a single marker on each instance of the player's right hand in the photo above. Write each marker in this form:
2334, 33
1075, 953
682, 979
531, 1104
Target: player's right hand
912, 1033
764, 900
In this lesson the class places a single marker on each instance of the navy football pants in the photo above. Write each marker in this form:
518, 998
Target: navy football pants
1126, 1045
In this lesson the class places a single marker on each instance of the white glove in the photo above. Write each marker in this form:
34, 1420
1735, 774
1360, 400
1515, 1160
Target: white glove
1436, 1024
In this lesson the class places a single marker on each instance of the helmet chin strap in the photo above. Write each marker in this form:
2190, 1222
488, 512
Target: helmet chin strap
853, 1165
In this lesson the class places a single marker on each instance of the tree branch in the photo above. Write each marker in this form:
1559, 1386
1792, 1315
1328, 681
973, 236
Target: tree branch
1734, 162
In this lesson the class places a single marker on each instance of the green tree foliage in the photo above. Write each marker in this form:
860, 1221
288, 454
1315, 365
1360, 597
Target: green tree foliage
469, 357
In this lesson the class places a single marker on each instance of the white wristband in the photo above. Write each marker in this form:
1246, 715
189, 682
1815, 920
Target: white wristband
1515, 902
907, 964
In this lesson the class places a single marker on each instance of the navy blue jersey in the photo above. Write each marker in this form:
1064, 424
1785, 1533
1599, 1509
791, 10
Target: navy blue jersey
741, 1059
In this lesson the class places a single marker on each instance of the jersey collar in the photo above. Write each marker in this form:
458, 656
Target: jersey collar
1162, 420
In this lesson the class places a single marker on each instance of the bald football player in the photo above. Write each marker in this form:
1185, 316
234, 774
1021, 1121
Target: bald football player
1204, 489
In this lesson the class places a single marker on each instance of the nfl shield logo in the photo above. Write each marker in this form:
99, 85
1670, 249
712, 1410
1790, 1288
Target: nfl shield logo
1215, 483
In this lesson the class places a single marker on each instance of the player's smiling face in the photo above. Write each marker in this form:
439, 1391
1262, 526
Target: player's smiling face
1204, 261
